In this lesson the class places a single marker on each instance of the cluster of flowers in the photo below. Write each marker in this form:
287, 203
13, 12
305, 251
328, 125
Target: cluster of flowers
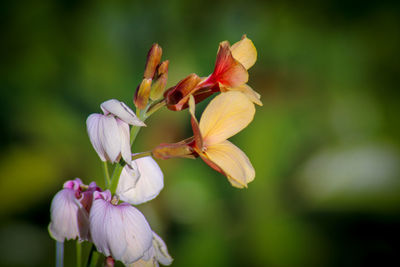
106, 217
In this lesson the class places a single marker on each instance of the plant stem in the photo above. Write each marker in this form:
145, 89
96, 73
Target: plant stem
141, 155
59, 254
115, 177
78, 253
93, 257
106, 174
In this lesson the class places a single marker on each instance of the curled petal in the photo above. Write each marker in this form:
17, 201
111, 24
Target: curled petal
233, 162
140, 184
226, 115
158, 254
122, 111
161, 251
249, 92
245, 52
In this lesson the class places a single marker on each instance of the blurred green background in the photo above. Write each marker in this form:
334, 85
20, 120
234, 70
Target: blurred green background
325, 144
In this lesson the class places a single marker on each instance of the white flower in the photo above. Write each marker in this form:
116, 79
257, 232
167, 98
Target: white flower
109, 133
69, 218
140, 182
120, 231
158, 254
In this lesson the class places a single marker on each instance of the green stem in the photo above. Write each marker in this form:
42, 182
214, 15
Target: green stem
93, 257
78, 253
59, 254
141, 155
115, 177
106, 174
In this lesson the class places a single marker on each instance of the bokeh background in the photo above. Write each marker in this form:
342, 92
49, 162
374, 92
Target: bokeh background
325, 144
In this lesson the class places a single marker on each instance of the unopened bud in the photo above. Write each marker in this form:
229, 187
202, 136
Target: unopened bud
142, 94
178, 96
158, 87
153, 59
163, 68
177, 150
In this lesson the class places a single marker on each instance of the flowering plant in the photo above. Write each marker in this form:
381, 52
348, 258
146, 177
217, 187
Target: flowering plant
105, 216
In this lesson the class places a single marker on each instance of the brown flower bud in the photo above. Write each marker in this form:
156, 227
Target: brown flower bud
158, 87
178, 96
142, 94
153, 59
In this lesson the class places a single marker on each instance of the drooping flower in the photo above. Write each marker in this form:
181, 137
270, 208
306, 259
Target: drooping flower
140, 182
120, 231
70, 211
109, 133
230, 74
158, 254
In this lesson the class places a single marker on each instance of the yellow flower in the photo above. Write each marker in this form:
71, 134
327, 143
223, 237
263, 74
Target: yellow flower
226, 115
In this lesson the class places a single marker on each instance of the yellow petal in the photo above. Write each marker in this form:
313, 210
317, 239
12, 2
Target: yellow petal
227, 114
245, 52
233, 162
249, 92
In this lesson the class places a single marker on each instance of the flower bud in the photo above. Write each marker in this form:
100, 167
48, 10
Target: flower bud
157, 89
120, 231
142, 94
178, 96
153, 59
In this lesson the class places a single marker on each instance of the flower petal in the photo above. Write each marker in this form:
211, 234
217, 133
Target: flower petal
245, 52
140, 185
93, 122
69, 219
226, 115
233, 162
122, 111
249, 92
228, 71
161, 251
125, 141
110, 137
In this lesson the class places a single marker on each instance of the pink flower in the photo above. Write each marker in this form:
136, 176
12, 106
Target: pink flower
140, 183
120, 231
70, 211
109, 133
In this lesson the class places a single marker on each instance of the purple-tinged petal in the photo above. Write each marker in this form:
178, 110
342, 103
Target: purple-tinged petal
122, 111
69, 220
120, 231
